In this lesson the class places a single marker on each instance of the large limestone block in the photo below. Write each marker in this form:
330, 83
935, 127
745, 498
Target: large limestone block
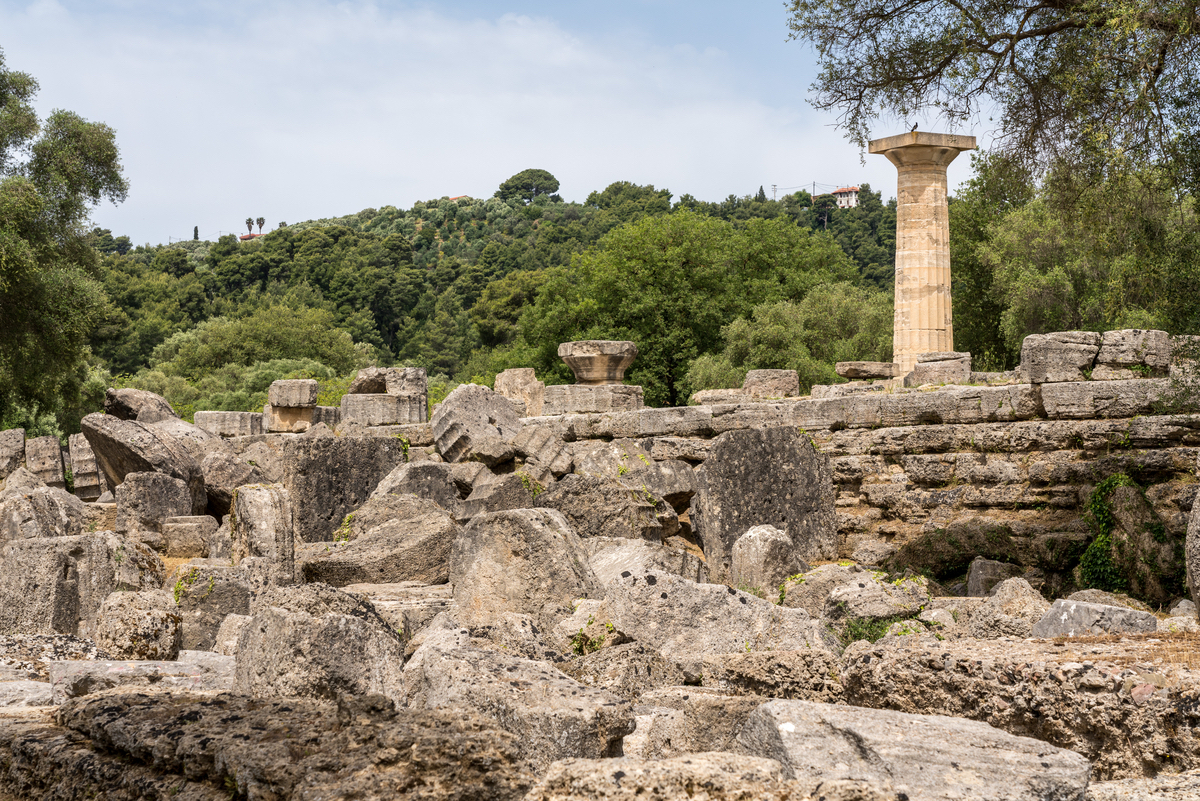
223, 473
722, 776
136, 404
383, 409
1061, 356
389, 539
392, 380
81, 678
770, 476
1081, 619
139, 625
288, 419
984, 574
145, 500
673, 480
262, 525
1134, 347
294, 392
860, 370
920, 756
1091, 400
230, 424
940, 368
1192, 554
603, 507
771, 384
40, 512
520, 383
475, 423
1011, 611
677, 721
810, 590
763, 557
587, 399
330, 477
687, 621
188, 536
555, 716
362, 748
205, 593
297, 653
612, 556
808, 675
127, 446
546, 455
435, 481
613, 459
43, 458
527, 561
12, 451
57, 584
89, 481
501, 493
627, 670
1141, 550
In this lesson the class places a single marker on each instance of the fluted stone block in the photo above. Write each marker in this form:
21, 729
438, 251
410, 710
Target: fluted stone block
383, 409
89, 481
294, 392
585, 399
598, 361
12, 451
43, 458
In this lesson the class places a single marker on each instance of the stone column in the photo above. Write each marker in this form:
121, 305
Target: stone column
923, 312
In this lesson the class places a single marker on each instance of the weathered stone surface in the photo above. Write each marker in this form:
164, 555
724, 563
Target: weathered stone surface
16, 694
1142, 551
205, 594
527, 561
43, 458
139, 625
39, 512
710, 776
230, 424
228, 633
501, 493
809, 675
675, 721
688, 621
329, 478
12, 451
520, 383
145, 500
408, 607
555, 716
127, 446
392, 380
763, 557
436, 481
288, 420
75, 679
627, 670
882, 370
89, 482
1061, 356
598, 361
294, 392
389, 539
130, 404
810, 590
1166, 787
1011, 611
866, 597
133, 745
317, 649
475, 423
612, 556
985, 574
672, 480
922, 756
56, 584
1091, 400
223, 473
591, 399
771, 384
546, 455
768, 476
1136, 347
603, 507
609, 459
1080, 619
262, 525
383, 409
940, 371
1084, 697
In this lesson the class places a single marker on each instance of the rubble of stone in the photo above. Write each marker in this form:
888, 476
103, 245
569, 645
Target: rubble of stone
676, 595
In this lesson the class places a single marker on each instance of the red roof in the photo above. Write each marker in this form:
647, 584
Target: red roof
244, 237
845, 189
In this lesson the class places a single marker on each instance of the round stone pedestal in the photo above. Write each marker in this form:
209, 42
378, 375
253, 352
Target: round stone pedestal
598, 361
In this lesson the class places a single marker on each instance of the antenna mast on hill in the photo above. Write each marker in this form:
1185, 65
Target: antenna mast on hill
773, 190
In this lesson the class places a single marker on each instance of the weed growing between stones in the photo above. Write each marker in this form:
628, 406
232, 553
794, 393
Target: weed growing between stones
871, 630
342, 534
186, 581
582, 644
531, 484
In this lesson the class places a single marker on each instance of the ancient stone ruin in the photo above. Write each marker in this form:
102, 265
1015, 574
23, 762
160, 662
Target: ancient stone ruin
880, 590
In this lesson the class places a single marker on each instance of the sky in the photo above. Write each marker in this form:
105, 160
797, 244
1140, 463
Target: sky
309, 109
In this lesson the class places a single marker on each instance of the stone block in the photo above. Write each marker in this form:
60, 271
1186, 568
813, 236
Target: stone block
771, 384
294, 392
740, 485
474, 423
675, 722
673, 480
1058, 357
591, 399
598, 361
820, 391
145, 500
127, 446
139, 625
137, 404
12, 451
940, 371
392, 380
1134, 347
985, 574
205, 594
288, 419
383, 409
331, 416
855, 411
881, 370
763, 557
72, 679
188, 537
1091, 400
43, 458
231, 424
613, 556
520, 383
719, 397
89, 481
603, 507
262, 525
926, 756
501, 493
1067, 618
40, 512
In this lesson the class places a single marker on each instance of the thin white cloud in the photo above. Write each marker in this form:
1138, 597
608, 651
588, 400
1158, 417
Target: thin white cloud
295, 111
